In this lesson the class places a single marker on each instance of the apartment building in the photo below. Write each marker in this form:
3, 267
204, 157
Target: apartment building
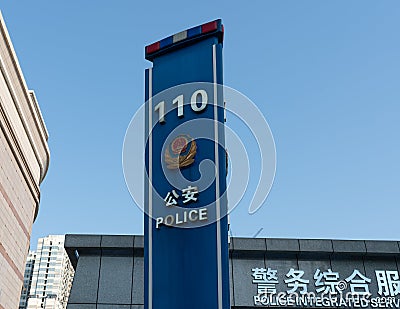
48, 275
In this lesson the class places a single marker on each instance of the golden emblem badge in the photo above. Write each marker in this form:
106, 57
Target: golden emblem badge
180, 153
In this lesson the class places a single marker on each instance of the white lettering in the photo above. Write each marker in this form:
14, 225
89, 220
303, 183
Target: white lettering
203, 214
191, 218
180, 218
177, 221
158, 222
171, 217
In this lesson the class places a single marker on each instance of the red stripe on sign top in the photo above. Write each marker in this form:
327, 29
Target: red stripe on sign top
211, 26
153, 47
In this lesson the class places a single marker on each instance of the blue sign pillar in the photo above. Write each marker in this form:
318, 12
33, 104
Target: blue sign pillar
185, 222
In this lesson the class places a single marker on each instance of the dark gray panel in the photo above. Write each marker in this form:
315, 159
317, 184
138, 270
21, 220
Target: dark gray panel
390, 247
81, 306
249, 244
102, 306
398, 263
115, 282
139, 242
137, 307
282, 267
346, 267
138, 281
231, 283
244, 289
117, 241
84, 288
372, 265
316, 245
249, 247
349, 246
285, 245
82, 241
310, 267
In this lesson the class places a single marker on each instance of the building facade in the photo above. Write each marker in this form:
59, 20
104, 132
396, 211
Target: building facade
24, 160
30, 263
48, 275
296, 273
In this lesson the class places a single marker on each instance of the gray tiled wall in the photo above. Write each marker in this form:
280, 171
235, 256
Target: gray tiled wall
109, 272
84, 287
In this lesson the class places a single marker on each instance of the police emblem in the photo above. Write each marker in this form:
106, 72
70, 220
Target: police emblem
180, 153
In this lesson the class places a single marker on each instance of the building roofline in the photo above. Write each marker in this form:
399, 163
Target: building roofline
30, 98
78, 244
30, 115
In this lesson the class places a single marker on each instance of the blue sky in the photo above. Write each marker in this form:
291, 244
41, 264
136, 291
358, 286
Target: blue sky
325, 74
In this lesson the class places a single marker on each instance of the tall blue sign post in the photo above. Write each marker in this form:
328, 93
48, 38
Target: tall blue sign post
186, 226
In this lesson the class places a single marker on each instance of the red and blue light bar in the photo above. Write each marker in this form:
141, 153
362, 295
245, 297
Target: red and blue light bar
185, 36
